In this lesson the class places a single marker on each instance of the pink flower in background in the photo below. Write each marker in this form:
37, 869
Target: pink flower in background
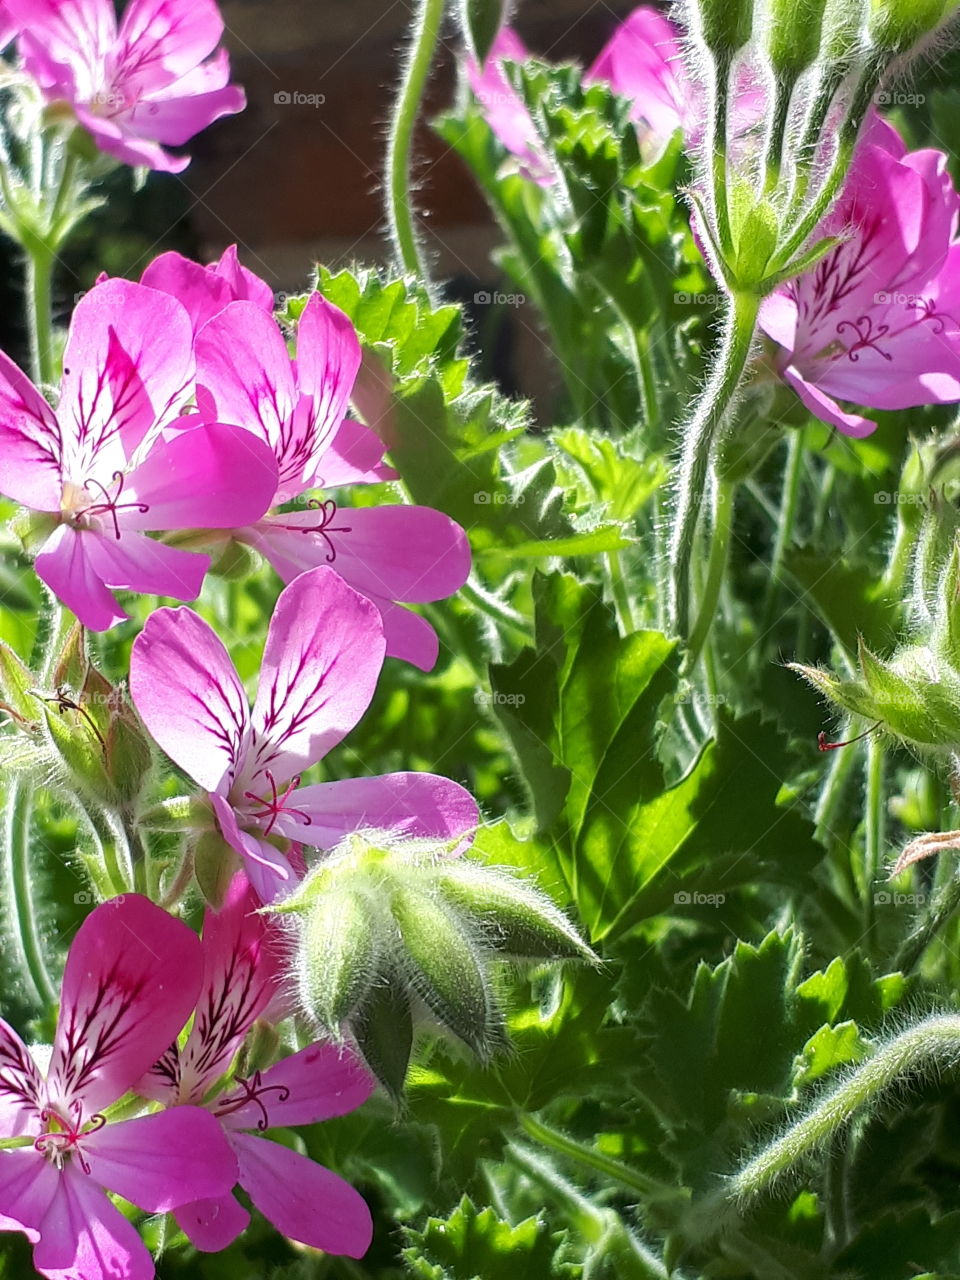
131, 981
9, 27
147, 85
323, 656
205, 291
643, 61
876, 321
297, 407
103, 466
242, 969
505, 110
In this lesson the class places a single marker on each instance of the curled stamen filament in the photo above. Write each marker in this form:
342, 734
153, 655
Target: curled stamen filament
111, 505
277, 804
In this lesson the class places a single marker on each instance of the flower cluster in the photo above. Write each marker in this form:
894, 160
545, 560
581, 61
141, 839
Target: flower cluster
180, 408
876, 321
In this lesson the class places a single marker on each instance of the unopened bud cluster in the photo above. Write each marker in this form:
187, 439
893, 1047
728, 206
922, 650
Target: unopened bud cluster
391, 935
818, 63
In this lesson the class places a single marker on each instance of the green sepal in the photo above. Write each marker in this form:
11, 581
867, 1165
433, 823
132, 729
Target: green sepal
793, 29
725, 25
848, 695
947, 640
915, 695
214, 863
16, 685
480, 22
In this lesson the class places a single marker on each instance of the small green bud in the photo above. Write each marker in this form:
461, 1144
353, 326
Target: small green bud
338, 958
895, 26
947, 631
383, 1030
725, 25
793, 33
848, 695
127, 753
516, 918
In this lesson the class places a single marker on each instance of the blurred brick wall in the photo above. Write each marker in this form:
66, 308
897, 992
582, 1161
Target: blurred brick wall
292, 182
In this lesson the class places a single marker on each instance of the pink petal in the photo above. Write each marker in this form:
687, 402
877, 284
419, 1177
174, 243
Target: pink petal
84, 1237
826, 409
320, 1082
409, 637
131, 981
65, 566
268, 870
212, 1224
354, 456
243, 965
304, 1201
506, 111
202, 292
405, 805
414, 554
320, 666
643, 61
139, 563
163, 1160
328, 360
207, 477
174, 120
245, 372
68, 32
30, 447
128, 148
244, 284
189, 695
161, 40
21, 1087
127, 367
28, 1184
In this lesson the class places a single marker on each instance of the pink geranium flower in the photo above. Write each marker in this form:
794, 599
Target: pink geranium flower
297, 407
242, 969
504, 109
137, 89
323, 655
876, 321
103, 465
131, 981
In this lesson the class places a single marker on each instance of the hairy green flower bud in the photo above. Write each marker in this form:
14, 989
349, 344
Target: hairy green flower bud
16, 685
895, 26
725, 25
843, 34
792, 36
214, 864
386, 929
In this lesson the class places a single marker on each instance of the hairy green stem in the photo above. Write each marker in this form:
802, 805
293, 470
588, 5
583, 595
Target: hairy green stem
546, 1136
875, 825
716, 569
18, 874
40, 313
400, 211
942, 910
789, 502
700, 437
930, 1045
